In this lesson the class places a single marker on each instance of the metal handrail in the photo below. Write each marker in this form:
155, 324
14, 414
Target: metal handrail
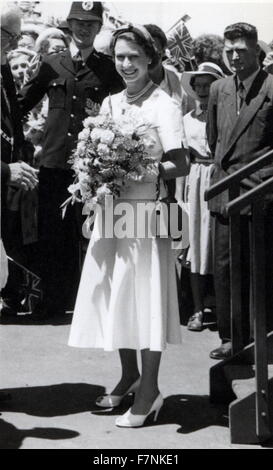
248, 198
254, 197
238, 175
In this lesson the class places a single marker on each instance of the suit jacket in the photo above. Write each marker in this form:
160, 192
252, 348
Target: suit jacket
11, 126
73, 95
11, 123
237, 140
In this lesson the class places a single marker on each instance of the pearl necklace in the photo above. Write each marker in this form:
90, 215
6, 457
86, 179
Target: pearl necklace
132, 98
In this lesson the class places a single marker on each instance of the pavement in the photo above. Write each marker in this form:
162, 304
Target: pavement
54, 386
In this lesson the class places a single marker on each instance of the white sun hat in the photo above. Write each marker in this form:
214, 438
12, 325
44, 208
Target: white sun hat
206, 68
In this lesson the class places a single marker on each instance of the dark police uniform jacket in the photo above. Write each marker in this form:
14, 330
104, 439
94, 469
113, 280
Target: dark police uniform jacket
72, 97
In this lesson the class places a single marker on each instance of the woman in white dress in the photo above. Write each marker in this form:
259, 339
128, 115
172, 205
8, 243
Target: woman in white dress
127, 298
197, 85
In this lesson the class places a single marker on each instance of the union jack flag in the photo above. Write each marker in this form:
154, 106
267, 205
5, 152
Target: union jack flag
111, 17
180, 42
115, 22
30, 287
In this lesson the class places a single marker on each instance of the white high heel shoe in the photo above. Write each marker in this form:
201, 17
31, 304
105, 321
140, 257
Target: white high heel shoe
128, 420
112, 401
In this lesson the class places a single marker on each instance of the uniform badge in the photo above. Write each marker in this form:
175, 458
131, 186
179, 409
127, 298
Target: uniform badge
87, 6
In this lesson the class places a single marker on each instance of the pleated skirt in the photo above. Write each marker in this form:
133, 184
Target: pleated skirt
200, 221
127, 296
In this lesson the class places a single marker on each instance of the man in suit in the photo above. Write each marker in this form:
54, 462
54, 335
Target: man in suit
15, 173
239, 129
76, 81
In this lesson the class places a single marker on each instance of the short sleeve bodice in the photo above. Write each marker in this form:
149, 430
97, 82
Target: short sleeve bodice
165, 128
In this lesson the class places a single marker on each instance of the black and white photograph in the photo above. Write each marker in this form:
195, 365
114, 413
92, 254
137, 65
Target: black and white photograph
136, 248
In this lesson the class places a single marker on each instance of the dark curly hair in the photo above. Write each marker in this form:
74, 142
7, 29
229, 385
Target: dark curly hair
157, 33
241, 30
209, 48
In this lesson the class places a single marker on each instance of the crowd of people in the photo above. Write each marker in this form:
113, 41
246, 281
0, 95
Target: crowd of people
205, 124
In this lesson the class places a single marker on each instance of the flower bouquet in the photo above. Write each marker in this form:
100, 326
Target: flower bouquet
110, 153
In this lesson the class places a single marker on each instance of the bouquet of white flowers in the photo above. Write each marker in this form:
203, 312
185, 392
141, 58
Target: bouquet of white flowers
109, 153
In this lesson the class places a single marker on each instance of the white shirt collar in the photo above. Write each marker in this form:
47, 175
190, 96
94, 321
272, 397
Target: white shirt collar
198, 109
85, 53
249, 80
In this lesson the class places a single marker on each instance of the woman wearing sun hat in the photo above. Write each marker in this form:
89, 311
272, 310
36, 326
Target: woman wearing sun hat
197, 85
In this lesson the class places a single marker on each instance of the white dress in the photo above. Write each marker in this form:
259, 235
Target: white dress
4, 272
127, 296
198, 180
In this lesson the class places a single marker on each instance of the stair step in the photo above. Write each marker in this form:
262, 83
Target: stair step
242, 378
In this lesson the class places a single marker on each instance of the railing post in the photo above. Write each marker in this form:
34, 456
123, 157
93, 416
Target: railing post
259, 319
235, 275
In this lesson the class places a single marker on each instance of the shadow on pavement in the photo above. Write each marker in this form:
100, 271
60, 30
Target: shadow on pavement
190, 412
28, 319
52, 400
12, 437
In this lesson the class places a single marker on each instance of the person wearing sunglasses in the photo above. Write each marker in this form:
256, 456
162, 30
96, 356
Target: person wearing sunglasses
13, 171
16, 175
9, 38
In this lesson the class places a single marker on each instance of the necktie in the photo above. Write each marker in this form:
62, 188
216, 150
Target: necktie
241, 95
78, 62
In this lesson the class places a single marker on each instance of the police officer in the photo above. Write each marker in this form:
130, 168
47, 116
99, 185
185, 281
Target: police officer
76, 81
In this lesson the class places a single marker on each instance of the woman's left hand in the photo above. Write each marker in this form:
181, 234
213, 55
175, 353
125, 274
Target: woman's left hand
152, 174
